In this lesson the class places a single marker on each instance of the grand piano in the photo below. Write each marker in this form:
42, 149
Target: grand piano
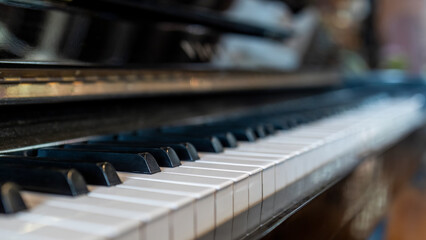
179, 119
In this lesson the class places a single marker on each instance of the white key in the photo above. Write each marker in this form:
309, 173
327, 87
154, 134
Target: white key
268, 168
240, 188
182, 207
241, 183
223, 195
94, 224
268, 177
204, 204
13, 228
255, 186
255, 176
153, 220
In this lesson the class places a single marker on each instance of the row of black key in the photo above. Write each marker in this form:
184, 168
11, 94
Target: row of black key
66, 169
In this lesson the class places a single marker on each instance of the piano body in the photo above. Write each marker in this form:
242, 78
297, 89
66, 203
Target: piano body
179, 119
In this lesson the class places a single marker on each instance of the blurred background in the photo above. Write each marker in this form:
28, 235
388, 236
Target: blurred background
383, 33
356, 35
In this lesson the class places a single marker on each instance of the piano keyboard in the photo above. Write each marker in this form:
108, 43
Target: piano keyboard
212, 181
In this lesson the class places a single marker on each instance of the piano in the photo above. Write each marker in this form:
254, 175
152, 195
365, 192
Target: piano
177, 119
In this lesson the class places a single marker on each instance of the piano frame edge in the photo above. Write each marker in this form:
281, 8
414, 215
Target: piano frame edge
26, 85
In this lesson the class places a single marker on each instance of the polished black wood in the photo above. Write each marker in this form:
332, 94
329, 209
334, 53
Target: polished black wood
31, 124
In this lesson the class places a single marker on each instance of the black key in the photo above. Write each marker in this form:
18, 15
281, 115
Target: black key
48, 180
299, 119
185, 151
165, 156
227, 139
259, 130
245, 134
280, 126
269, 129
127, 162
101, 173
203, 144
10, 198
283, 123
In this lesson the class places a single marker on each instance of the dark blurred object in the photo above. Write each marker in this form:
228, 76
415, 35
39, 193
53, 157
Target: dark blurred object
370, 36
297, 5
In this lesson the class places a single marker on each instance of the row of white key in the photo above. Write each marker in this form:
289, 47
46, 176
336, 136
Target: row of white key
192, 200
